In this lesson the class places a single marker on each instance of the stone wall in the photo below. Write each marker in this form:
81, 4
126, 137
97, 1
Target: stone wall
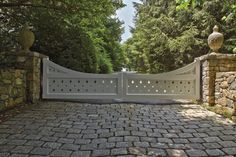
12, 87
28, 63
225, 88
31, 63
211, 65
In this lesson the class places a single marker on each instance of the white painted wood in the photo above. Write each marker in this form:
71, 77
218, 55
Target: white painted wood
63, 83
183, 83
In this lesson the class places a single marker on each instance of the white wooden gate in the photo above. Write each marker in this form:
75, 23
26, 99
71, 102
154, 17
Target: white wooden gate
63, 83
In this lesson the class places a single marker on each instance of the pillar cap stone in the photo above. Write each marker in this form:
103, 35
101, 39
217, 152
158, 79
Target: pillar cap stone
215, 56
32, 54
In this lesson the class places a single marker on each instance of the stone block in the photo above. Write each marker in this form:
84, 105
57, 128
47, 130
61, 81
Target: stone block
233, 118
62, 153
215, 152
219, 75
230, 151
10, 102
22, 149
206, 80
41, 151
5, 81
53, 145
212, 68
225, 61
101, 152
224, 85
196, 153
19, 100
6, 74
222, 101
19, 81
81, 154
217, 87
233, 85
213, 63
4, 97
119, 151
223, 69
18, 73
205, 64
231, 79
4, 90
206, 92
21, 59
2, 105
176, 153
13, 92
217, 95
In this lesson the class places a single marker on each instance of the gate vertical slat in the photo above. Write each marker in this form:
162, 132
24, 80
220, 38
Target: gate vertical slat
45, 83
198, 79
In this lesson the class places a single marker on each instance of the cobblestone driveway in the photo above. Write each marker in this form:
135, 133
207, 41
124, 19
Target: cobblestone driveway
75, 129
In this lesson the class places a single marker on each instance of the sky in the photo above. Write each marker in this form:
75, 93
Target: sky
126, 15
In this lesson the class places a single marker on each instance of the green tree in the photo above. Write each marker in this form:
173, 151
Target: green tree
168, 36
73, 33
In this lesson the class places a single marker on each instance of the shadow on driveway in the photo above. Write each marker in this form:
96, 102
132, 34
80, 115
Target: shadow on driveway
84, 129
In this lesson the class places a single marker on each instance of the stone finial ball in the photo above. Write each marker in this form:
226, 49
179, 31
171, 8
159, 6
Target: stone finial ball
215, 40
26, 38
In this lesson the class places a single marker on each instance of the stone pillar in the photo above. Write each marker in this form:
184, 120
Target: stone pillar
31, 63
208, 77
212, 64
28, 62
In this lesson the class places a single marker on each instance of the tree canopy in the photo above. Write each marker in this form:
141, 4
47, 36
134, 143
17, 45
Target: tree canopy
85, 35
79, 34
171, 33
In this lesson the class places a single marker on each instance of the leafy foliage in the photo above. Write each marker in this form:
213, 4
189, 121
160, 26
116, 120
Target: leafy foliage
171, 33
79, 34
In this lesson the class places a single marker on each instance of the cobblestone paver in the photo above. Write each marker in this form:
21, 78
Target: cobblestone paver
127, 130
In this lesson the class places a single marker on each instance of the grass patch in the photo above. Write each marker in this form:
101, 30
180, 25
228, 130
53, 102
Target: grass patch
224, 111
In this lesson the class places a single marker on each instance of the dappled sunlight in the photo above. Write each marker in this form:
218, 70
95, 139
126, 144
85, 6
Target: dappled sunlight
194, 112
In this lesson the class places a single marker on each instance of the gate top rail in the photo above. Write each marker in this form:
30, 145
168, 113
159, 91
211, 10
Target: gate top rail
51, 68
